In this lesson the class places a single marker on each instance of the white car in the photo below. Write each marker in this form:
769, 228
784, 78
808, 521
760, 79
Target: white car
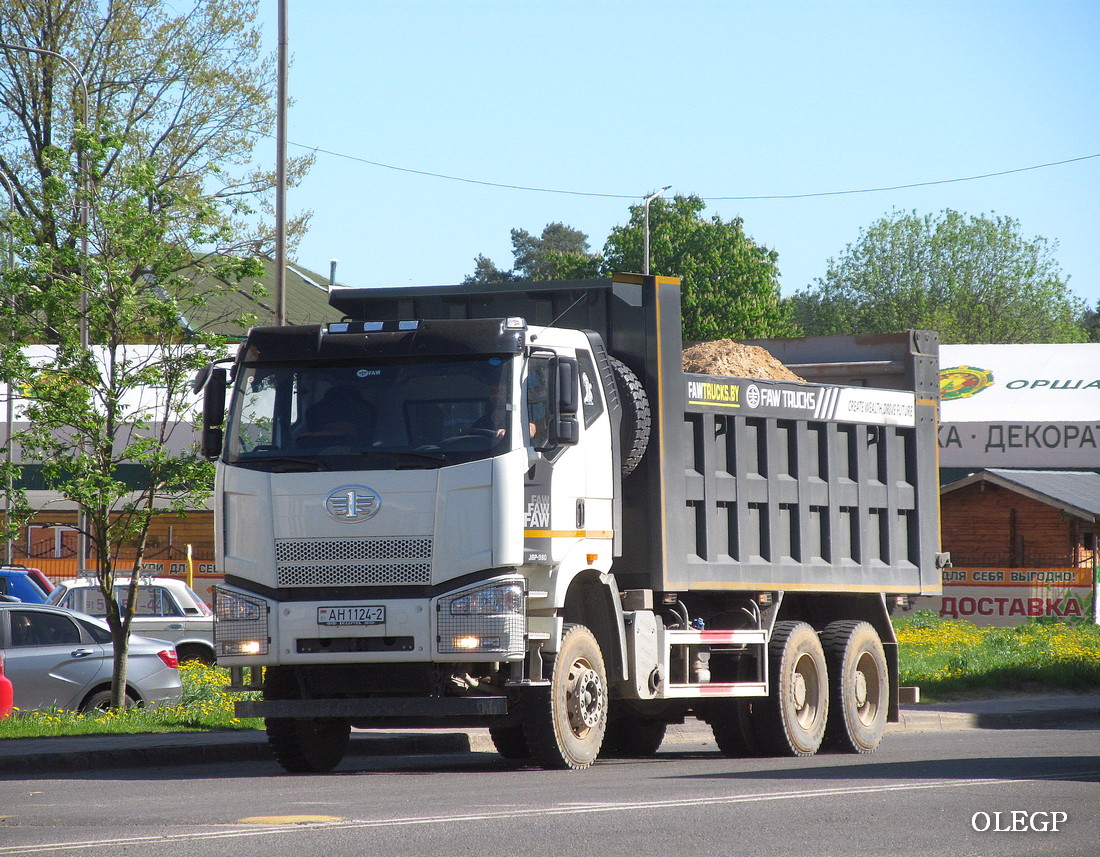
168, 609
57, 657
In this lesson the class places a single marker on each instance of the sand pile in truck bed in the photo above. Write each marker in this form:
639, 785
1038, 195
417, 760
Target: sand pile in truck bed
727, 357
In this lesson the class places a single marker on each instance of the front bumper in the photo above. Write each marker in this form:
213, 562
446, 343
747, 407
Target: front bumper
482, 622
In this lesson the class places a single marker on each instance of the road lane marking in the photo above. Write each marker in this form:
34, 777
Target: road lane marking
510, 815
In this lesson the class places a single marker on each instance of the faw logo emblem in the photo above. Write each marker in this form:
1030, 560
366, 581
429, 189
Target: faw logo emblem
352, 503
962, 382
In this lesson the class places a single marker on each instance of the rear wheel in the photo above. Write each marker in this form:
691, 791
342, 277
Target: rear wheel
859, 696
791, 721
510, 742
731, 722
631, 735
564, 723
101, 701
302, 745
201, 654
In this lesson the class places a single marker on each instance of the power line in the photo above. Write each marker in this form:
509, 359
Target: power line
533, 189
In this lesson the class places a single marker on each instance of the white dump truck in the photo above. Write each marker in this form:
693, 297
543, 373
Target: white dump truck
509, 506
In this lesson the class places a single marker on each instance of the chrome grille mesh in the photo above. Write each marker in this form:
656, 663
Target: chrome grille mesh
366, 550
354, 562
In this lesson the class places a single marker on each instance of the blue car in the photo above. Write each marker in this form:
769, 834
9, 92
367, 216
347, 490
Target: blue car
19, 583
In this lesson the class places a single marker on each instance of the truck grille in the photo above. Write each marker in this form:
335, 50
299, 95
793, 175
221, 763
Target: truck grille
354, 562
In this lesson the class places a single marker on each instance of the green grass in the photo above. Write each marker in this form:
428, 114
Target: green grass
945, 658
951, 658
205, 706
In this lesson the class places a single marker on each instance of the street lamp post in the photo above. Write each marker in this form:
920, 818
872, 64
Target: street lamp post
645, 231
280, 173
85, 220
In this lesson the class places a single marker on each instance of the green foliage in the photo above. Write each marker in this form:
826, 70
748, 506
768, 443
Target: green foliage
187, 89
947, 657
559, 253
730, 283
158, 169
204, 706
972, 279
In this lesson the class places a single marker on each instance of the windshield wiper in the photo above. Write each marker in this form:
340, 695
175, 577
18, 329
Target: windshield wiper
283, 464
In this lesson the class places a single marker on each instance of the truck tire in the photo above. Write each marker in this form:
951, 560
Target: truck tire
731, 722
636, 421
302, 745
564, 723
859, 686
791, 720
510, 742
629, 734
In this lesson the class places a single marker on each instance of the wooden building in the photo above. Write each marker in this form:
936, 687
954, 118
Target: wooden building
999, 518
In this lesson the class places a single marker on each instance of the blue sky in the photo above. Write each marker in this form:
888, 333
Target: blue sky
610, 100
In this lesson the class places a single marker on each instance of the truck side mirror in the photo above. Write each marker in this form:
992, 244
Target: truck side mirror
213, 411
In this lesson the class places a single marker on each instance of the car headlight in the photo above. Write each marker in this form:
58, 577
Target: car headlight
506, 598
490, 619
240, 624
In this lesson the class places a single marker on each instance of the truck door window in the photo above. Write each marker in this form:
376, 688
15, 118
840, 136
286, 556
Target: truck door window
538, 400
591, 400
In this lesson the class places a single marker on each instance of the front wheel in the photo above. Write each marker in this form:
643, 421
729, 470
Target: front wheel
302, 745
308, 746
564, 724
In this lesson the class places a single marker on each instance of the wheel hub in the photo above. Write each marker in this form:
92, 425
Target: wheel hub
859, 688
585, 701
798, 688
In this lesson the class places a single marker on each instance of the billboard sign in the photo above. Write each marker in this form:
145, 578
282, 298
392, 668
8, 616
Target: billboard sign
1020, 405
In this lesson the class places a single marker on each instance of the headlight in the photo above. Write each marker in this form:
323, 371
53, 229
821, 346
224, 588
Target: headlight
490, 619
506, 598
240, 624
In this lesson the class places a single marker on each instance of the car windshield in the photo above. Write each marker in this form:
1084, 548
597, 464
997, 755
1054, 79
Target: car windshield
415, 413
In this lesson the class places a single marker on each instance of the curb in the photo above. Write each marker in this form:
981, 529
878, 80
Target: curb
955, 721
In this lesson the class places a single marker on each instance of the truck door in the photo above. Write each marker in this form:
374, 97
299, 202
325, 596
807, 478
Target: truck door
567, 495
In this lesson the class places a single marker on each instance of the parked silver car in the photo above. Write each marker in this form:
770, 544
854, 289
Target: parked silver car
55, 656
168, 609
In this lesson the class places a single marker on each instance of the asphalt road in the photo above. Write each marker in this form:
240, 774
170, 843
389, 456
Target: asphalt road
921, 793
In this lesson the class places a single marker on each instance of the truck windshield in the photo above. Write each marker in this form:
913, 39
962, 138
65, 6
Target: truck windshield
370, 416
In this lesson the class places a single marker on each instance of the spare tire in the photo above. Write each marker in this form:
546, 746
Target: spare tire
636, 421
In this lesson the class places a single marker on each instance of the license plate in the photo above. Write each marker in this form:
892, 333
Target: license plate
351, 615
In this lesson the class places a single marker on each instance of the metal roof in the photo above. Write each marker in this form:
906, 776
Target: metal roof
306, 301
1076, 492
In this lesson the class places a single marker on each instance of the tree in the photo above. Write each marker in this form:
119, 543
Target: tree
162, 166
559, 253
972, 279
121, 401
1090, 322
730, 283
189, 92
